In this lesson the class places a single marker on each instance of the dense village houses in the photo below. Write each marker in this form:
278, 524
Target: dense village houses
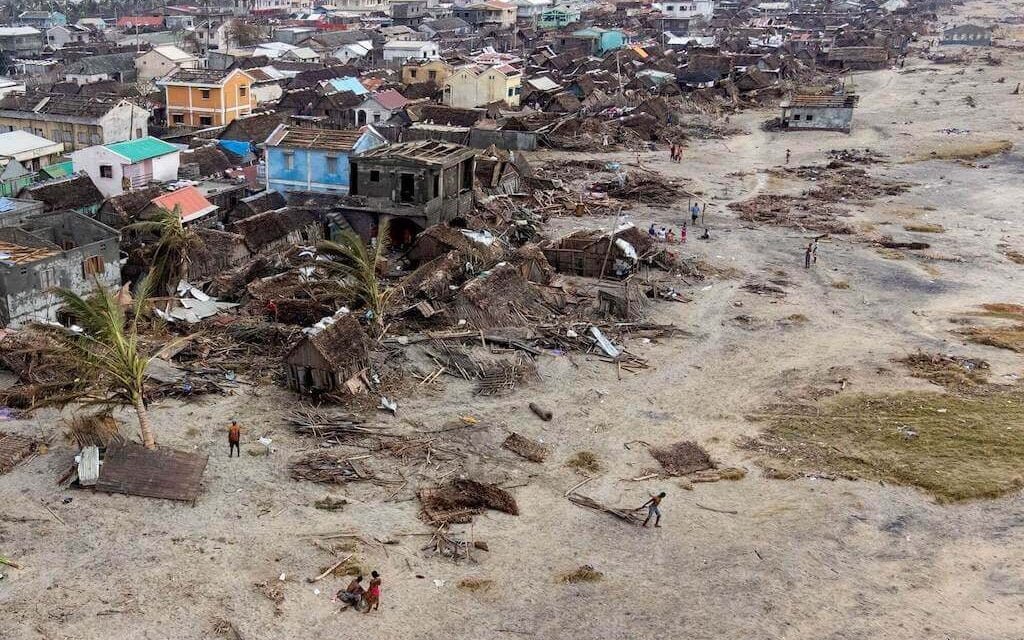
409, 13
207, 97
140, 22
124, 166
593, 41
378, 107
76, 121
161, 60
315, 160
528, 12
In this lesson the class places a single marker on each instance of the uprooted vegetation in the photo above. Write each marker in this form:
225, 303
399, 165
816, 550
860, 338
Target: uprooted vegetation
956, 447
585, 573
953, 372
997, 332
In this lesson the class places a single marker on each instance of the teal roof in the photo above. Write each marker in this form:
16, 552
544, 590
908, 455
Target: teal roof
142, 149
348, 83
59, 170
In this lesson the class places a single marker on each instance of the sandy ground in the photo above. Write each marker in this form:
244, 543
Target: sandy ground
800, 559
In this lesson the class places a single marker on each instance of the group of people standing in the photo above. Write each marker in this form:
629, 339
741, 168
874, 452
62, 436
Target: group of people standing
675, 152
668, 235
354, 595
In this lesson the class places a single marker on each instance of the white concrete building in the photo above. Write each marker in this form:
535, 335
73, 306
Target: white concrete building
399, 51
686, 9
123, 166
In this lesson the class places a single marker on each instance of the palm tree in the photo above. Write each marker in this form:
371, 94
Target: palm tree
357, 264
107, 350
170, 260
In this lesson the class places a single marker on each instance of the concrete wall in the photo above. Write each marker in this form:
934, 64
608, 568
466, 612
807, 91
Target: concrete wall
91, 159
153, 64
25, 290
818, 118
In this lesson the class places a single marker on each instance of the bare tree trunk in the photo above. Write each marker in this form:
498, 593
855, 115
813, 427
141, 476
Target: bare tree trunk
148, 440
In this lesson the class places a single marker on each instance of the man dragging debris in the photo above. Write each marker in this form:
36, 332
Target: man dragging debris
234, 437
654, 509
352, 596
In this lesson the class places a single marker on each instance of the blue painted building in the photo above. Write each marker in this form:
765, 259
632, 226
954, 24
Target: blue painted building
599, 41
315, 160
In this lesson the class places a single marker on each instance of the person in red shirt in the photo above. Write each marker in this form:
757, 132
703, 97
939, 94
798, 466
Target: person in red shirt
234, 438
373, 593
682, 234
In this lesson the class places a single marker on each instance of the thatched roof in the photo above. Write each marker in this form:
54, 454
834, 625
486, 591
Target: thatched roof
343, 345
499, 297
76, 192
214, 251
266, 228
127, 206
439, 239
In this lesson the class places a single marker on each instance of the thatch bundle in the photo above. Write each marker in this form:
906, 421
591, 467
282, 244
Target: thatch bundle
459, 500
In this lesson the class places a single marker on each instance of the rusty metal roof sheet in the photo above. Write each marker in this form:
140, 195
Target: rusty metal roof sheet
132, 469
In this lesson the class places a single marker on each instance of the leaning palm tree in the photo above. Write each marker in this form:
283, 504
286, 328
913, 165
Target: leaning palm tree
107, 350
175, 240
357, 264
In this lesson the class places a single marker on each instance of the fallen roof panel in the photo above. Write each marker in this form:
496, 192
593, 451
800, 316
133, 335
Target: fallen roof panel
161, 473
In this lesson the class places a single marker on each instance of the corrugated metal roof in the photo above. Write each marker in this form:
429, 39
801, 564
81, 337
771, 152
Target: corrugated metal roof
142, 149
189, 201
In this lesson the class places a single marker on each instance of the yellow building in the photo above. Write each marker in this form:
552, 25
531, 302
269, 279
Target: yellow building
477, 85
429, 70
207, 97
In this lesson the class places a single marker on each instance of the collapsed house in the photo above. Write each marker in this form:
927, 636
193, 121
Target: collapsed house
596, 255
328, 356
411, 185
43, 251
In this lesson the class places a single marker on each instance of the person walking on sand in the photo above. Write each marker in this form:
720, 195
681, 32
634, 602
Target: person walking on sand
352, 596
814, 251
373, 594
682, 233
694, 213
787, 156
807, 257
234, 438
654, 509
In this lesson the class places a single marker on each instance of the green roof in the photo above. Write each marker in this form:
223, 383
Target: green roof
142, 149
59, 170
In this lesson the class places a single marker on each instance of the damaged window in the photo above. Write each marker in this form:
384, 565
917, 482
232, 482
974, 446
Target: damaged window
92, 265
106, 171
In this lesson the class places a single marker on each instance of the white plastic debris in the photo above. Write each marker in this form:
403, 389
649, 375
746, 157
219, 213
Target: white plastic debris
388, 405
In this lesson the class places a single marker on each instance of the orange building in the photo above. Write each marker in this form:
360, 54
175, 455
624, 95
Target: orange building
207, 97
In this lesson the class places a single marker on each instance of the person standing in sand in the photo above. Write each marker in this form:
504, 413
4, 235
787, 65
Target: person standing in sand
654, 509
234, 438
373, 593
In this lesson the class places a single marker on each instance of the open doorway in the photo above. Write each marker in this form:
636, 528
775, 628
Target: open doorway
402, 232
406, 187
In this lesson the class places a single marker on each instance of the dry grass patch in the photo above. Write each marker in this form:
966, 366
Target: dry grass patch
585, 461
949, 371
476, 585
1004, 336
1014, 256
586, 573
956, 447
965, 150
924, 227
840, 284
890, 254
